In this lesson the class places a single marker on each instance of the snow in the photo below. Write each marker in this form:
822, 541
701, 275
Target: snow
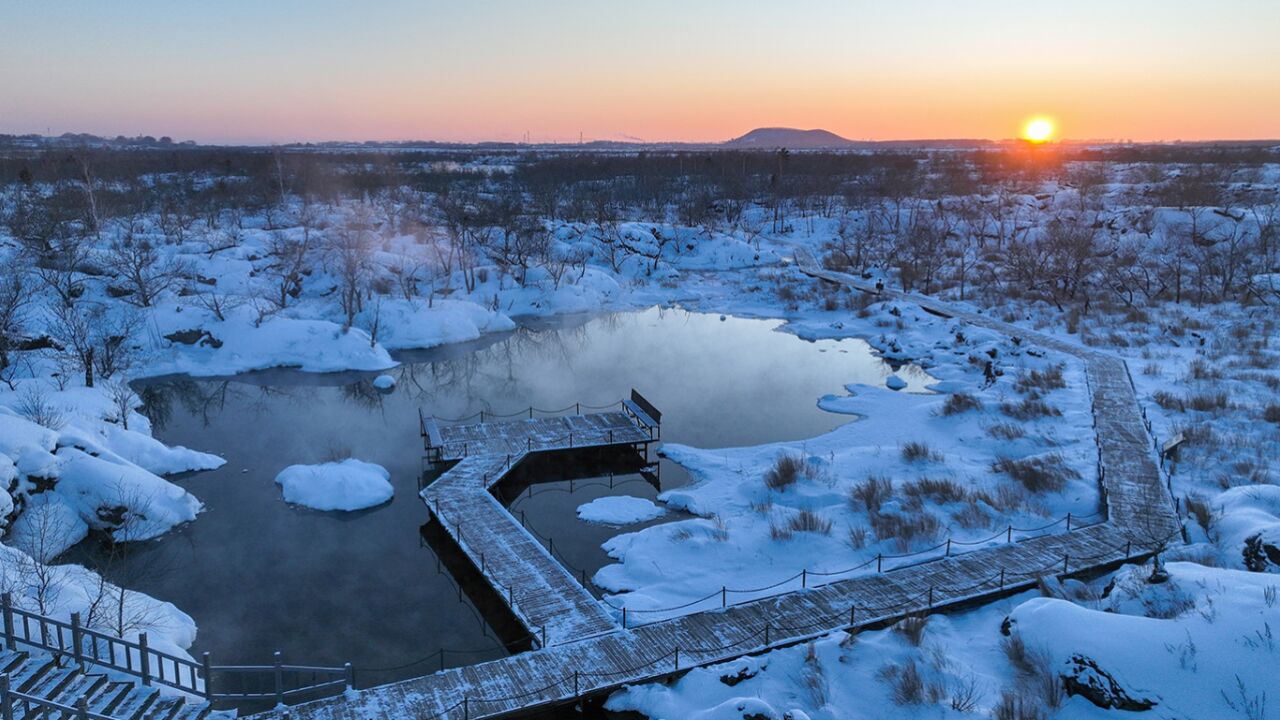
405, 324
343, 485
384, 382
620, 510
1190, 644
309, 345
745, 534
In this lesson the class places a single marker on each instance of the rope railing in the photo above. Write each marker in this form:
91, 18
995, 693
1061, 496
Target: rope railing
823, 576
530, 412
773, 635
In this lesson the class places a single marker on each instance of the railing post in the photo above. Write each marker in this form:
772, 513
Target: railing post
575, 684
624, 617
208, 676
1068, 522
6, 603
77, 640
466, 710
1066, 559
724, 597
543, 630
1128, 545
948, 554
879, 560
82, 709
145, 659
804, 577
279, 677
930, 596
6, 705
852, 613
677, 658
349, 673
1009, 535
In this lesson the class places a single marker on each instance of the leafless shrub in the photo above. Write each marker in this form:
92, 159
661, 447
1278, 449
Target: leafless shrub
1015, 705
1208, 402
809, 521
1168, 401
780, 531
971, 516
938, 490
1199, 509
719, 529
1251, 706
1029, 408
1005, 431
906, 685
1006, 498
906, 529
957, 403
1041, 380
1200, 369
1042, 473
871, 493
34, 405
916, 451
912, 628
1271, 413
1035, 675
966, 693
787, 469
858, 537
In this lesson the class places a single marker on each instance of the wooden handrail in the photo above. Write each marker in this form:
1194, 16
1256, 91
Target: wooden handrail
94, 647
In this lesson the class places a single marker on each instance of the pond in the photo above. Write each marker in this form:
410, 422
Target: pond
375, 587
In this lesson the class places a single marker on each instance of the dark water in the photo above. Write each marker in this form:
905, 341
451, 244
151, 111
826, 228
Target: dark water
371, 587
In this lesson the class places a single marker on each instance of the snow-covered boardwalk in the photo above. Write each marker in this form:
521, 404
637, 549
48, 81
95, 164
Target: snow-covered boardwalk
588, 651
551, 604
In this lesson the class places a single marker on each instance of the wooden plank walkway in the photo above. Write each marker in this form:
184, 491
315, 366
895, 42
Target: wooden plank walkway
550, 603
1140, 519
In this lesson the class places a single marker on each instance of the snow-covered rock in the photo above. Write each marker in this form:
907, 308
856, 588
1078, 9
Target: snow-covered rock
345, 485
620, 510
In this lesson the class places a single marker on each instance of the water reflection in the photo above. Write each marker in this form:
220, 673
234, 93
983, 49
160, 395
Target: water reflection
377, 588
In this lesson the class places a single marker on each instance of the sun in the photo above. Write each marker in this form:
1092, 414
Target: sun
1038, 130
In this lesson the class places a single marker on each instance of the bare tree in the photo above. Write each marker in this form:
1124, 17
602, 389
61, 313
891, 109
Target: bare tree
349, 254
136, 261
290, 256
15, 296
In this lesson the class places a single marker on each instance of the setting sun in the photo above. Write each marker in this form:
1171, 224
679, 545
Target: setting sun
1038, 130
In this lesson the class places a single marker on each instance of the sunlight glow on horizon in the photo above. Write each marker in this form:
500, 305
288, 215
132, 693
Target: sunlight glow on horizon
1038, 130
293, 70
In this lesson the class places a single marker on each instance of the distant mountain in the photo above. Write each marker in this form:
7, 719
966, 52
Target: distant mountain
791, 138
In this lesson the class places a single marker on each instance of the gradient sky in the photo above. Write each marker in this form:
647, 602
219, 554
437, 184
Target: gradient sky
700, 70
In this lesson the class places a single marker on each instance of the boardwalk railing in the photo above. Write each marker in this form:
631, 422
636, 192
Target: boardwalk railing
87, 646
16, 704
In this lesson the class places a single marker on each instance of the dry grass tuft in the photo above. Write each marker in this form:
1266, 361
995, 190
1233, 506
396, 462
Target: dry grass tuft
1041, 380
1043, 473
957, 403
871, 493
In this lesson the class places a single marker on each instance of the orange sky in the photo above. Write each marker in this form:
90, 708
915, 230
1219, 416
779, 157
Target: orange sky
697, 70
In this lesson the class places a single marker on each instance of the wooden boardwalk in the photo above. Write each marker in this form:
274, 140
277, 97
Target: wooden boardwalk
1140, 520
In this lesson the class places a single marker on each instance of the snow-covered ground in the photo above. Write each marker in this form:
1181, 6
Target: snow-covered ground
1003, 439
1198, 646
